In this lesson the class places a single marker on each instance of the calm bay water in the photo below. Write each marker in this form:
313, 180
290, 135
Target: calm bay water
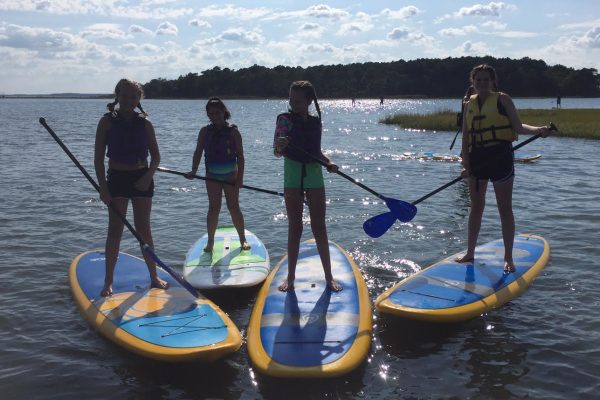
544, 344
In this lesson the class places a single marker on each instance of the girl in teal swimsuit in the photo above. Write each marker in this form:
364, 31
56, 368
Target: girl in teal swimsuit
303, 175
224, 161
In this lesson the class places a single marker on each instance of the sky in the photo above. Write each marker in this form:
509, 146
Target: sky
86, 46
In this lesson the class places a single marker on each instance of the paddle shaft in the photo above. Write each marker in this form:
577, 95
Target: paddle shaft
457, 179
205, 178
143, 244
323, 163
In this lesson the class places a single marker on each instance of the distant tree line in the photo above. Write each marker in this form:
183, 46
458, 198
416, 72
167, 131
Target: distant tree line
416, 78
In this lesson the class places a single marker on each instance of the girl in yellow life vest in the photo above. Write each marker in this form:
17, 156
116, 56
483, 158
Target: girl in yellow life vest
490, 124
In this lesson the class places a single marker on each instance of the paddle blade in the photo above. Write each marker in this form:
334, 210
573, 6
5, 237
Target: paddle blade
403, 210
379, 224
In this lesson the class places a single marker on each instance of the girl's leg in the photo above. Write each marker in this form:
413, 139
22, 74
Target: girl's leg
142, 206
507, 219
215, 194
113, 242
294, 206
477, 196
232, 197
316, 207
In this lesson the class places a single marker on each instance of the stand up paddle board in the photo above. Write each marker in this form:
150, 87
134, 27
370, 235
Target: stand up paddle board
449, 291
428, 155
227, 265
167, 325
311, 331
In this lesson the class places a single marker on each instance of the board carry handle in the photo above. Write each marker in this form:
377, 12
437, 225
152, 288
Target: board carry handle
145, 247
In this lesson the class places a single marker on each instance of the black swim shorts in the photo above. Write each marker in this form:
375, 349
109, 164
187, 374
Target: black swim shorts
494, 163
121, 183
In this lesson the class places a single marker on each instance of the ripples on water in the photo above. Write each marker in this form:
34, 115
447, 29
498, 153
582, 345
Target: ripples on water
537, 346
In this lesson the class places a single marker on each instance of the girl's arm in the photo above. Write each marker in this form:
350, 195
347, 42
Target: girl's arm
239, 148
99, 154
198, 152
282, 129
515, 121
144, 182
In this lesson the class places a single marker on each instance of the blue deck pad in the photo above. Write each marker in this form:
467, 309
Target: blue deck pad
311, 325
170, 318
449, 284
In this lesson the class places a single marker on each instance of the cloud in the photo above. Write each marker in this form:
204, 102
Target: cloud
491, 9
361, 22
403, 13
198, 23
232, 11
325, 11
470, 48
103, 31
398, 33
241, 35
39, 39
310, 29
462, 31
139, 29
483, 10
167, 28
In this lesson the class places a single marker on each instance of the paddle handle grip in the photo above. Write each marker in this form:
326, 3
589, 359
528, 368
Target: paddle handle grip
145, 247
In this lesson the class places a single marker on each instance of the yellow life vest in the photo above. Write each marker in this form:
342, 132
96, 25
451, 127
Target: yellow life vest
486, 125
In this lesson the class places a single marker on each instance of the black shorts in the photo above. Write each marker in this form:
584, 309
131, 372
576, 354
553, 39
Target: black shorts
121, 183
494, 163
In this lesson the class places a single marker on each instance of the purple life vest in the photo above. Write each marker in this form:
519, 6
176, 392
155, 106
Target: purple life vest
219, 145
127, 140
305, 134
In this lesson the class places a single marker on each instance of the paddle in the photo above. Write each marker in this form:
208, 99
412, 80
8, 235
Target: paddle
401, 210
379, 224
145, 247
205, 178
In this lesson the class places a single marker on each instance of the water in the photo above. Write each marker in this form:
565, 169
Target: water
545, 344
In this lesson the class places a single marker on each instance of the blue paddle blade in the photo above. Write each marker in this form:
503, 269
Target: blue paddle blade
379, 224
403, 210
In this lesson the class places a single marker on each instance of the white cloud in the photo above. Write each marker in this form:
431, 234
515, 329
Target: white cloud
453, 32
470, 48
494, 25
103, 31
483, 10
232, 11
40, 39
325, 11
198, 23
167, 28
310, 30
403, 13
398, 33
139, 29
241, 35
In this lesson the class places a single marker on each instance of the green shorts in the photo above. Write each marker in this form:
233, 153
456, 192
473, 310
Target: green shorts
292, 175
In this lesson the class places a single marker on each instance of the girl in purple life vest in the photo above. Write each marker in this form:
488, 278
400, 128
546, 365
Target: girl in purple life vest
303, 175
221, 144
126, 138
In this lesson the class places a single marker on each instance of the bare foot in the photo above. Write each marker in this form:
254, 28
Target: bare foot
286, 286
509, 267
209, 247
333, 285
159, 283
246, 245
106, 290
467, 258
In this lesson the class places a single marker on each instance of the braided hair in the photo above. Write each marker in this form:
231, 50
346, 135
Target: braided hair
309, 91
120, 85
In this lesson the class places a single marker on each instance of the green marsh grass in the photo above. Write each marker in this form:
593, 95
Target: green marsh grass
577, 123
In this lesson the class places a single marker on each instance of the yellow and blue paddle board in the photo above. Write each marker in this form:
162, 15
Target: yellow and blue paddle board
311, 331
449, 291
167, 325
